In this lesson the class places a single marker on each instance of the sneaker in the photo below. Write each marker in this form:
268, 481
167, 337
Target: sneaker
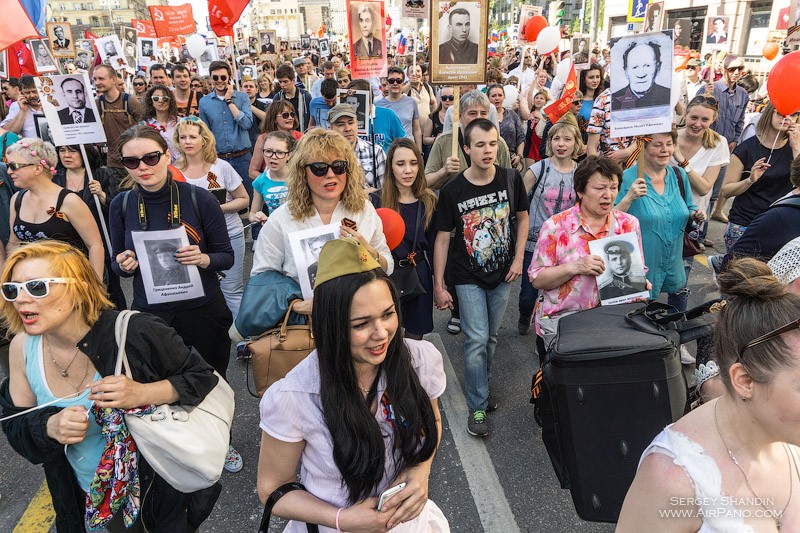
243, 352
454, 326
233, 461
491, 403
524, 324
476, 423
686, 357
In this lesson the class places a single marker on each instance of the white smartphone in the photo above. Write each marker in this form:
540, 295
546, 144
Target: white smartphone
388, 493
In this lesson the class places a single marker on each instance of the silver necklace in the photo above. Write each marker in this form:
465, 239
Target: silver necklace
64, 371
777, 517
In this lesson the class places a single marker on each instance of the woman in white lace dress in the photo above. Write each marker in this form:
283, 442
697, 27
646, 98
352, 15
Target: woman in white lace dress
732, 464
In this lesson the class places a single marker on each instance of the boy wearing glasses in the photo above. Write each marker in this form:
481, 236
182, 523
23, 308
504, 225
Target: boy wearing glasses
229, 116
404, 106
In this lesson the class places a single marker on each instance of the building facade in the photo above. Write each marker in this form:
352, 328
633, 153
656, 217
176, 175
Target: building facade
101, 17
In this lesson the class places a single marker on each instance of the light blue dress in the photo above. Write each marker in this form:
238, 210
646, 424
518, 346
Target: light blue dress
662, 219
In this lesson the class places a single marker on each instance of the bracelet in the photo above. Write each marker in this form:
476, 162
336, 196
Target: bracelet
337, 518
684, 164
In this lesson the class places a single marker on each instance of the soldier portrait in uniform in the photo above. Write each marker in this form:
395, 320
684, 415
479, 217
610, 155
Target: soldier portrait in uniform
165, 268
624, 277
367, 25
458, 49
458, 42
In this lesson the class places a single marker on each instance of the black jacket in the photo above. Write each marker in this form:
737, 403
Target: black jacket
155, 352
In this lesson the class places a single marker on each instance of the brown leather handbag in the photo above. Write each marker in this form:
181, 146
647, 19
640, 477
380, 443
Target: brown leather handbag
277, 351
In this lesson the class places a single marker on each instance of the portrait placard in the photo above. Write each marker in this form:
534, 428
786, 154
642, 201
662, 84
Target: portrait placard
83, 59
653, 17
128, 33
306, 245
414, 9
4, 64
624, 278
204, 61
682, 33
367, 28
42, 58
324, 49
641, 84
148, 51
60, 35
460, 28
110, 49
164, 278
360, 102
580, 51
43, 128
70, 109
131, 55
268, 40
717, 35
525, 14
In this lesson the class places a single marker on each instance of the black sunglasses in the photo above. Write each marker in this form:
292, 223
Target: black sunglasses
339, 167
734, 69
691, 67
150, 160
769, 336
138, 84
223, 77
16, 166
287, 115
450, 98
394, 81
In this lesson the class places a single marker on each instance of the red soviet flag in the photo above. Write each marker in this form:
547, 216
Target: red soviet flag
223, 14
20, 61
15, 25
559, 108
173, 20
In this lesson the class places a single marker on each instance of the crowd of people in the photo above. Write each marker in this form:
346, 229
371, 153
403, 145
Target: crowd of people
514, 208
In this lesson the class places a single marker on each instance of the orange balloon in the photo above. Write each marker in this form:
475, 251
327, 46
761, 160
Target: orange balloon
533, 27
394, 227
770, 51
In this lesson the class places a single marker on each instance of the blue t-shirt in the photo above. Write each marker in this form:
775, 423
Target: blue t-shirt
387, 128
586, 109
273, 192
319, 112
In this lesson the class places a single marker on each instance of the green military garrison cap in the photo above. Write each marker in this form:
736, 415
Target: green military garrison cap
340, 257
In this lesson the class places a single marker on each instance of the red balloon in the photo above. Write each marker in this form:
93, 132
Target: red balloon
780, 84
394, 227
533, 27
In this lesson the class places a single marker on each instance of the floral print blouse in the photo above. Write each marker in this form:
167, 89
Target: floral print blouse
565, 238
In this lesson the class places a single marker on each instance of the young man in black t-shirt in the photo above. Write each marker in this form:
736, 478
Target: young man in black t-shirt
487, 207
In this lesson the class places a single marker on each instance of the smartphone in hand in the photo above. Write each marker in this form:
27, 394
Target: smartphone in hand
388, 493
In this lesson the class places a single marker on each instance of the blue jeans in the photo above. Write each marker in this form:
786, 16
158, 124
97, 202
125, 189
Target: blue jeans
528, 293
232, 285
481, 314
241, 165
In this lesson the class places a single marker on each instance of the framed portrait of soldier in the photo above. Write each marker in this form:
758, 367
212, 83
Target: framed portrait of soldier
61, 42
129, 51
269, 42
653, 17
83, 59
306, 245
43, 128
147, 51
360, 102
641, 84
128, 33
305, 41
70, 109
4, 64
717, 36
367, 29
580, 51
204, 61
242, 48
682, 32
458, 34
42, 58
163, 277
110, 50
624, 278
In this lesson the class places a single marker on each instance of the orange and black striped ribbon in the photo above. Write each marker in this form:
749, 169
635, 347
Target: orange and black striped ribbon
640, 142
212, 181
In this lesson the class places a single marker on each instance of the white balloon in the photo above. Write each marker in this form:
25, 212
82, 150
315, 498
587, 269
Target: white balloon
547, 41
195, 45
563, 68
512, 93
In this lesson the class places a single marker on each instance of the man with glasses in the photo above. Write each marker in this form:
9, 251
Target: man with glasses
297, 96
403, 106
694, 84
20, 118
229, 116
730, 123
372, 160
187, 100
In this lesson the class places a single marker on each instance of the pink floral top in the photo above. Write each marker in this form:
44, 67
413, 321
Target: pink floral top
565, 238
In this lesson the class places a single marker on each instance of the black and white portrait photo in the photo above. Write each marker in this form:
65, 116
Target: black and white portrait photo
359, 100
60, 35
110, 49
128, 33
460, 39
306, 245
653, 15
268, 39
165, 267
83, 60
147, 51
580, 51
305, 42
129, 51
324, 49
74, 94
42, 57
367, 25
86, 44
682, 32
43, 128
624, 277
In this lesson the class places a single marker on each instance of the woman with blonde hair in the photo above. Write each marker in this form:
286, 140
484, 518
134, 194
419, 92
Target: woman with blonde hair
325, 187
198, 161
406, 191
64, 351
265, 80
43, 210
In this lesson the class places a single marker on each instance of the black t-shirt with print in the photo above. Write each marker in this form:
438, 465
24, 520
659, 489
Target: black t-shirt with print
483, 249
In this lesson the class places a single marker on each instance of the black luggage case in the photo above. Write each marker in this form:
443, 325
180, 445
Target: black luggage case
608, 388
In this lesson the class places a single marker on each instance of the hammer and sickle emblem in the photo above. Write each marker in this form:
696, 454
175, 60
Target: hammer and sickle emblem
158, 16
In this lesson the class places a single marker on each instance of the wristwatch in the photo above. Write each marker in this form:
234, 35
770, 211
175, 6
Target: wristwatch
228, 101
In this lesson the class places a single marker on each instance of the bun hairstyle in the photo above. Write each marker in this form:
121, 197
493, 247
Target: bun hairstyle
757, 304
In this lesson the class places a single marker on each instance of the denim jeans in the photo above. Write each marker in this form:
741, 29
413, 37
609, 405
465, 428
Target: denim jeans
241, 165
481, 314
528, 293
232, 285
680, 298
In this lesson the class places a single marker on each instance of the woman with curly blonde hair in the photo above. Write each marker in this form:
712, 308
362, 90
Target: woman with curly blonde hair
326, 186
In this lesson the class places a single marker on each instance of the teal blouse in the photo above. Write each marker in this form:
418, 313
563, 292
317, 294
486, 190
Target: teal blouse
662, 219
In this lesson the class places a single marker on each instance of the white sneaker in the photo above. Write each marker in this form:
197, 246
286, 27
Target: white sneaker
686, 357
233, 461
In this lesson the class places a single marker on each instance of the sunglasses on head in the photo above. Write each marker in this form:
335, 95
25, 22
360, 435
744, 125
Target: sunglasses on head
190, 118
157, 98
222, 77
795, 324
16, 166
287, 115
708, 100
394, 81
339, 167
150, 160
734, 69
450, 98
37, 288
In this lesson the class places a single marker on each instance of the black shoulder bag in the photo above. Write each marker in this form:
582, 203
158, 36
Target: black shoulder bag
405, 277
276, 495
691, 243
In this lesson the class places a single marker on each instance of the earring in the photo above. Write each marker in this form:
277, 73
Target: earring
744, 399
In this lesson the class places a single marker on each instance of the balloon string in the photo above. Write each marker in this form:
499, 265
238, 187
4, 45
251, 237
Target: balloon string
776, 140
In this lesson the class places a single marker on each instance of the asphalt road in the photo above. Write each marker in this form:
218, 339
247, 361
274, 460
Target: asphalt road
501, 484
